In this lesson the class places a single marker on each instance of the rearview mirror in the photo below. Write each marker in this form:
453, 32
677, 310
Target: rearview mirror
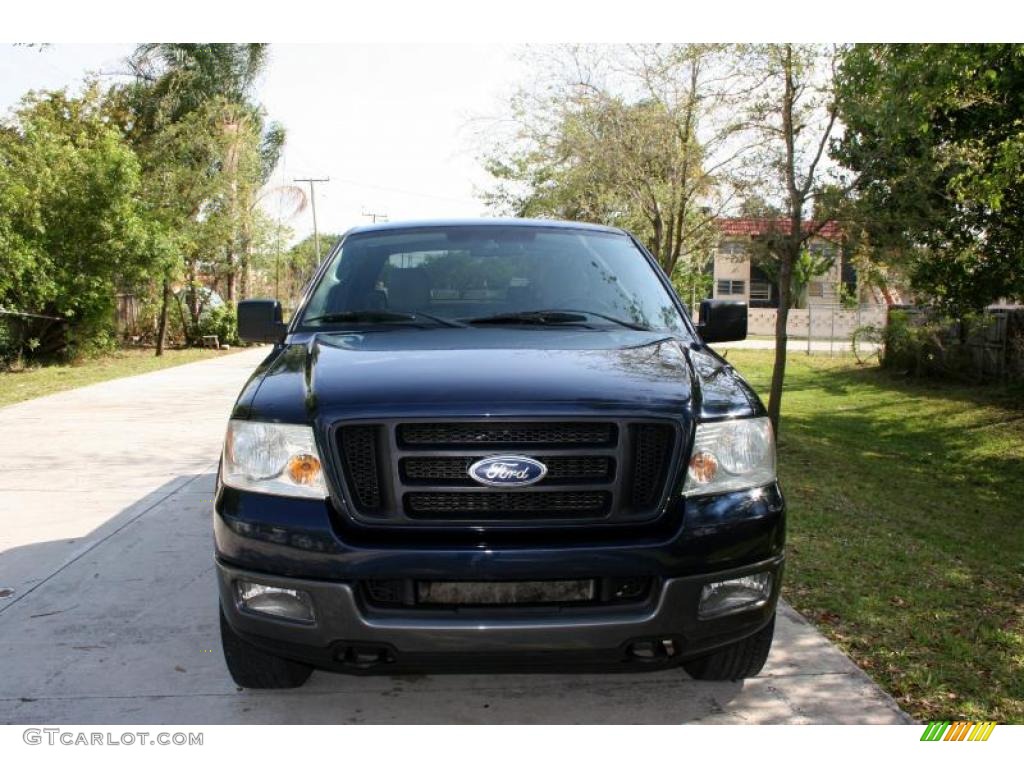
722, 320
259, 320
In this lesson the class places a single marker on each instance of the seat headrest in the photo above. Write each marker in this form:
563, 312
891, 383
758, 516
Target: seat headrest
408, 288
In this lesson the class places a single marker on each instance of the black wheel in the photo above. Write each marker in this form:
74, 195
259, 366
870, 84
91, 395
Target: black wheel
251, 667
736, 661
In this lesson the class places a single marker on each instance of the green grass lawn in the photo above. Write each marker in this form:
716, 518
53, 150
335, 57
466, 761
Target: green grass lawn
906, 529
28, 383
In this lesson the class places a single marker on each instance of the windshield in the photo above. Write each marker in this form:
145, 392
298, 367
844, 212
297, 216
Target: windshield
440, 276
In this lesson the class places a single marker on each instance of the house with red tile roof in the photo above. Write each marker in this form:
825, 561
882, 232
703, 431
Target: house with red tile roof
736, 276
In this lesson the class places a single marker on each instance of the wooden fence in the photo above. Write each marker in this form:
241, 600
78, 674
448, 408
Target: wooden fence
992, 349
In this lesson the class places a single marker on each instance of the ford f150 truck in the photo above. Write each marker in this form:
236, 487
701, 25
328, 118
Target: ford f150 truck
495, 442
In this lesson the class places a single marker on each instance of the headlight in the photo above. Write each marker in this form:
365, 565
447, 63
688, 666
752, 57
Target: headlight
731, 456
273, 458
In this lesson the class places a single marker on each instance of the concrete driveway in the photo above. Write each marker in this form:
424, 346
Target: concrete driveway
105, 541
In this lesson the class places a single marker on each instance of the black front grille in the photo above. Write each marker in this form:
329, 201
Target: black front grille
507, 434
653, 444
460, 505
359, 456
455, 470
412, 472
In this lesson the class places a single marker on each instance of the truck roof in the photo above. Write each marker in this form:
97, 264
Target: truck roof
483, 222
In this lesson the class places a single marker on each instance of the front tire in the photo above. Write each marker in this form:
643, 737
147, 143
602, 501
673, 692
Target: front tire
736, 661
251, 667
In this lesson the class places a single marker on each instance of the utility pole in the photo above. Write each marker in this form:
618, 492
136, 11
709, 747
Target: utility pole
312, 204
374, 216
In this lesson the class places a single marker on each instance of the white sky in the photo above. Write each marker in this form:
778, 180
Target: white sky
395, 127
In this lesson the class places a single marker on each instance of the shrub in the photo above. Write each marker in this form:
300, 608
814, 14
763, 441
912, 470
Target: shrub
149, 321
900, 350
928, 345
32, 339
222, 322
10, 348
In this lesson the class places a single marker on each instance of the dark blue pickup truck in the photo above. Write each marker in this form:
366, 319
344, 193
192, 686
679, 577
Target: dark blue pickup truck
501, 442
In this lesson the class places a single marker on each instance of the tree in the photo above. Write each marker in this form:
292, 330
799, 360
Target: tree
206, 87
806, 267
641, 137
182, 77
299, 263
793, 112
187, 192
935, 132
175, 80
290, 200
72, 230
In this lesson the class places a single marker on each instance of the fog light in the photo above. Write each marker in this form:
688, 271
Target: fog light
291, 604
720, 597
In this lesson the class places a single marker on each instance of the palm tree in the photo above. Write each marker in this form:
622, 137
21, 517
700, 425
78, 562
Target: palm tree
178, 78
183, 76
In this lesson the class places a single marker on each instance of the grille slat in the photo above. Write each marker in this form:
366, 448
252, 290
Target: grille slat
508, 434
477, 504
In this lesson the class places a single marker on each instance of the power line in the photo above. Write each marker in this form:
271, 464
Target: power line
409, 192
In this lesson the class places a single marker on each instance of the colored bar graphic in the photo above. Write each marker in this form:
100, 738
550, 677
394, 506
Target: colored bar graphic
959, 730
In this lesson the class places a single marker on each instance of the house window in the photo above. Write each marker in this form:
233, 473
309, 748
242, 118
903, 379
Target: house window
822, 249
733, 250
731, 287
760, 290
848, 276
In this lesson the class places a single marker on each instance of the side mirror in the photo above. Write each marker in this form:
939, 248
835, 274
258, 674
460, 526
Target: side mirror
722, 320
259, 320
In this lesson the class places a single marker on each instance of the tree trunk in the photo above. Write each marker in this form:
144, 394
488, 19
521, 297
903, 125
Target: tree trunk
781, 337
244, 264
790, 245
659, 232
161, 334
195, 310
186, 327
230, 277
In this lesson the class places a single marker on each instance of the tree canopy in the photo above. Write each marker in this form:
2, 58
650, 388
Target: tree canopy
937, 134
665, 139
73, 231
630, 136
150, 187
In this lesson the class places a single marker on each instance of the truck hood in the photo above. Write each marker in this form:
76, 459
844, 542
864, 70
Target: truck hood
489, 371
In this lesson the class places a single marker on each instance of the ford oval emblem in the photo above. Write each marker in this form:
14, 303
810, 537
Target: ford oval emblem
508, 471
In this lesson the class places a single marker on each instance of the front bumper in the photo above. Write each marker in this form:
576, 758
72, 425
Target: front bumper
350, 635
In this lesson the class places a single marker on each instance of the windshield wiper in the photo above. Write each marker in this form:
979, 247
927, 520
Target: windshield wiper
379, 316
550, 317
